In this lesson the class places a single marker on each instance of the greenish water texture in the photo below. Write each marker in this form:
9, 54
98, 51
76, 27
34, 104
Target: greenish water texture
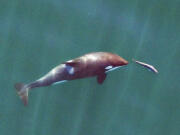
37, 35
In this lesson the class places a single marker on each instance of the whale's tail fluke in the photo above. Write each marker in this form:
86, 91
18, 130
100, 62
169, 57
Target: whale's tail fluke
22, 91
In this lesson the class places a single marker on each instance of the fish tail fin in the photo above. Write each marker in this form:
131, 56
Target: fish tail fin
22, 91
133, 60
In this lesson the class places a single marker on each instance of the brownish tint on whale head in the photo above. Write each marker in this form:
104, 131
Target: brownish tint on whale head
117, 60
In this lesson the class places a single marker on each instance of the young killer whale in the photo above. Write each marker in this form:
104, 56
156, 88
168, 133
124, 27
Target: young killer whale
92, 64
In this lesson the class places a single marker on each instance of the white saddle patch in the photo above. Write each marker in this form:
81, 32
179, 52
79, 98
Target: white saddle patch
70, 70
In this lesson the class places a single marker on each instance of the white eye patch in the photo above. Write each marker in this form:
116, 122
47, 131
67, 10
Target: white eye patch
108, 67
70, 70
111, 69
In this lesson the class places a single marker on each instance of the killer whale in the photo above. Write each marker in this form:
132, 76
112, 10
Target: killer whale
92, 64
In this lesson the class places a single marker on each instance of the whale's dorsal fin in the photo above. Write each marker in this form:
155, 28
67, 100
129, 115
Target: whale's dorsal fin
72, 63
101, 77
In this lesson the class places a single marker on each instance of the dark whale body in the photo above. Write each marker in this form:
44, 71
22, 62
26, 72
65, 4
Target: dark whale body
89, 65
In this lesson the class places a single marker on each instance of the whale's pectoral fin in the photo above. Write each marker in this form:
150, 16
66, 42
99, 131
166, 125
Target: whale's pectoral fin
101, 77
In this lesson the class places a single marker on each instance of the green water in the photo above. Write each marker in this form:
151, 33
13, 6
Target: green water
37, 35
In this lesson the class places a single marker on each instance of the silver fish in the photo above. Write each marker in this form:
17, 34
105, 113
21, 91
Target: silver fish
150, 67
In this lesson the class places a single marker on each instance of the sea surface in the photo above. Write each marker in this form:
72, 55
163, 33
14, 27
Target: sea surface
37, 35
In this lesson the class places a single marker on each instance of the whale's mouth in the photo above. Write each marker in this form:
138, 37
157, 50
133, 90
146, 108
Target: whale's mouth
126, 62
